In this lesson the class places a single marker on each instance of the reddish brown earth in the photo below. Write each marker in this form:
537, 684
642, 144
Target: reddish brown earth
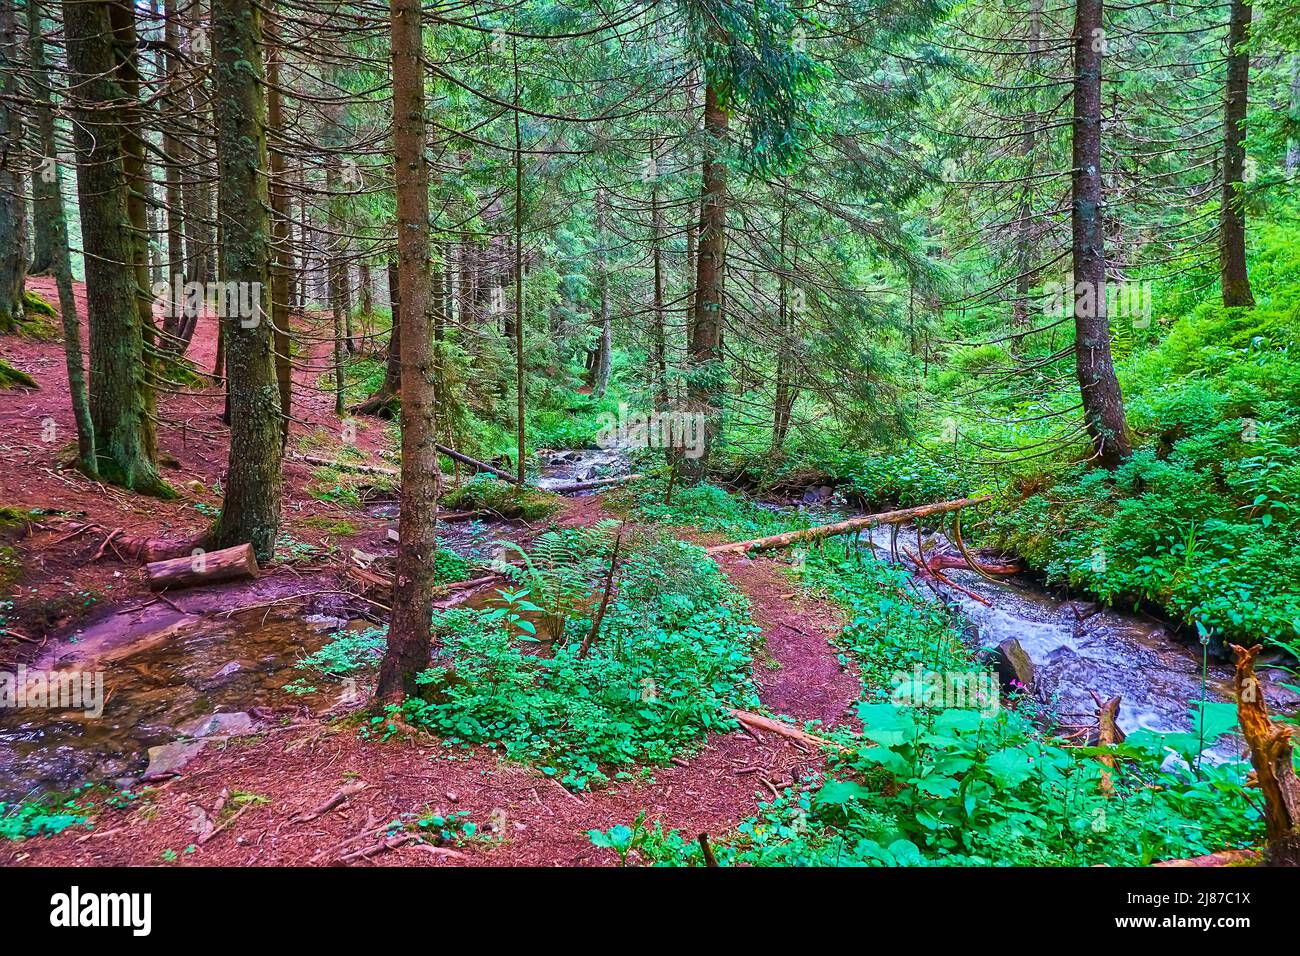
299, 767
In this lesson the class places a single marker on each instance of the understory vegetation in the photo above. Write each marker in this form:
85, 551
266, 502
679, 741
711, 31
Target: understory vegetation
674, 646
976, 785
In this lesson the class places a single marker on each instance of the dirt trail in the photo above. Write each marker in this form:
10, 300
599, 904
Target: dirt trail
298, 768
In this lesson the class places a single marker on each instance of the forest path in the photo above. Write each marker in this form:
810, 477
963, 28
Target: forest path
300, 768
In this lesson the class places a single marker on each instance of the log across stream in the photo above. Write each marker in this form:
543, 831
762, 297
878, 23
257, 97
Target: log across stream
1077, 647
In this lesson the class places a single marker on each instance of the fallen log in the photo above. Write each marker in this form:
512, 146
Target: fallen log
477, 465
776, 541
349, 466
1221, 858
205, 567
1271, 747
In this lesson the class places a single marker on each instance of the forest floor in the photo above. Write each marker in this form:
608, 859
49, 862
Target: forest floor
298, 767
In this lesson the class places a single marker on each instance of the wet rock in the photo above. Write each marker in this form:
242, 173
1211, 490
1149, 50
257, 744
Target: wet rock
219, 725
325, 622
221, 676
817, 494
170, 759
1014, 666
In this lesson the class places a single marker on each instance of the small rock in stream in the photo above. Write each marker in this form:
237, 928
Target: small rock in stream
1014, 666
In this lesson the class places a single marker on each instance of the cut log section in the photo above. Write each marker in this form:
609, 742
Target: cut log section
777, 541
203, 567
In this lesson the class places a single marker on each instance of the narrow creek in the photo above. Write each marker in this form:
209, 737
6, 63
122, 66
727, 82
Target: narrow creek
171, 678
1078, 647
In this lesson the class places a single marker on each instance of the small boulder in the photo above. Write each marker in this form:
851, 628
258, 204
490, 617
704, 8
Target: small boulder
1014, 666
817, 494
219, 725
170, 759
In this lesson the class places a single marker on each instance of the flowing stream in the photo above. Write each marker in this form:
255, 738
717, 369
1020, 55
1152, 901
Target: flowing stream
171, 677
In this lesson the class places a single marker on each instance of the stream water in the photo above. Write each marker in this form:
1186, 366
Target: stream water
1078, 648
166, 674
171, 675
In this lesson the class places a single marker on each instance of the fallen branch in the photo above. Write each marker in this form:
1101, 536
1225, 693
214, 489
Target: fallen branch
593, 484
942, 562
225, 826
776, 541
349, 466
604, 601
478, 465
759, 722
341, 797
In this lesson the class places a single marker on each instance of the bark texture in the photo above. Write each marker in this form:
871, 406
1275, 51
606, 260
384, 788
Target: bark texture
251, 510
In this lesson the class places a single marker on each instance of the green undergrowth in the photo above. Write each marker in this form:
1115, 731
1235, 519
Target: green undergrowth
938, 779
675, 646
484, 493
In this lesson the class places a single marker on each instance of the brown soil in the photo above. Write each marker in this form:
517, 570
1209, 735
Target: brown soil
300, 766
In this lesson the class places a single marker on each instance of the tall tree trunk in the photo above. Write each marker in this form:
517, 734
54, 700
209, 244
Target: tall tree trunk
408, 634
123, 431
659, 332
1293, 144
1232, 209
1025, 253
521, 390
1103, 404
281, 268
122, 16
173, 318
13, 213
61, 259
600, 368
704, 391
783, 400
251, 510
46, 201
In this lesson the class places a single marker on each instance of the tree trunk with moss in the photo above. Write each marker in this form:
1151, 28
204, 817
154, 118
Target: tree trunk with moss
251, 510
13, 221
704, 390
124, 439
